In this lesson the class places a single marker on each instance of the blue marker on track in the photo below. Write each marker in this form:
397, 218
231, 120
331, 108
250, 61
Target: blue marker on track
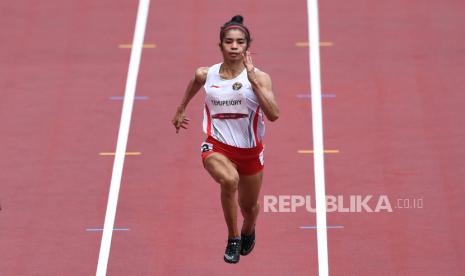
329, 227
101, 229
323, 95
120, 98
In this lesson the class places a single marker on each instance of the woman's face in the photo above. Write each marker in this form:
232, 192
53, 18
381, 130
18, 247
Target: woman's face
233, 44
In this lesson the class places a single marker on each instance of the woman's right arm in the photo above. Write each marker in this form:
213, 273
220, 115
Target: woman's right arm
180, 120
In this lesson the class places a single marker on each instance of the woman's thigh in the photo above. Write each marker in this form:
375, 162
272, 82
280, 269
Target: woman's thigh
221, 168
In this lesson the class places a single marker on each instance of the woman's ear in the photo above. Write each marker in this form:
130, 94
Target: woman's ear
221, 46
248, 46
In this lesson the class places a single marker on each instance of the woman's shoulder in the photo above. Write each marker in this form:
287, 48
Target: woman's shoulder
201, 74
261, 75
202, 71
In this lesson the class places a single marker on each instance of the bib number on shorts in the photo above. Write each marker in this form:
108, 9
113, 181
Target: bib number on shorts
206, 147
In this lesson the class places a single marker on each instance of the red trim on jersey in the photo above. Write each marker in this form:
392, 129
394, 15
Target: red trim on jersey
209, 121
255, 125
229, 116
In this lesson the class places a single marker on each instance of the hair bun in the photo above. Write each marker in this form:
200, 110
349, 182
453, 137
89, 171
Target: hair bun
237, 19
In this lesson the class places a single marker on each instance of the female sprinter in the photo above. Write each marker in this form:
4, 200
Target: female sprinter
237, 96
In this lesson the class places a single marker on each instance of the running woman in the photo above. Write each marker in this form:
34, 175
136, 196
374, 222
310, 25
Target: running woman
238, 95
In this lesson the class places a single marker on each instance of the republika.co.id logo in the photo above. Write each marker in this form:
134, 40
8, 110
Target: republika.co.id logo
340, 203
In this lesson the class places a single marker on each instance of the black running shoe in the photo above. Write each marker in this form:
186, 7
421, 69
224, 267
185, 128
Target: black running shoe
232, 253
248, 243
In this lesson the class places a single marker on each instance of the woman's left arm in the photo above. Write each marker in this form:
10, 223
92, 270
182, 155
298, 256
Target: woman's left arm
261, 85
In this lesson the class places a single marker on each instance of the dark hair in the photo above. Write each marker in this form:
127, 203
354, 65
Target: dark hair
236, 23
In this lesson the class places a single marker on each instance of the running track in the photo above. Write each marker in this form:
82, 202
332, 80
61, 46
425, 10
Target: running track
396, 68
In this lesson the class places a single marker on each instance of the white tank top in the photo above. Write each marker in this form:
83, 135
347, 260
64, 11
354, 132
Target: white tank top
232, 113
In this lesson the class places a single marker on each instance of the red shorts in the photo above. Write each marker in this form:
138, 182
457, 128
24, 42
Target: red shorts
249, 161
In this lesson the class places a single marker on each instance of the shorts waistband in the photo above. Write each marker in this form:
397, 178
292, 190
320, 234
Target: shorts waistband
226, 147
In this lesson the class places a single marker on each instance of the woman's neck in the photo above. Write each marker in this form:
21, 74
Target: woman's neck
231, 69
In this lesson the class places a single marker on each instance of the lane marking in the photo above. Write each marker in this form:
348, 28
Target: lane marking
114, 153
304, 44
101, 229
123, 133
312, 151
120, 98
317, 124
328, 227
129, 46
309, 96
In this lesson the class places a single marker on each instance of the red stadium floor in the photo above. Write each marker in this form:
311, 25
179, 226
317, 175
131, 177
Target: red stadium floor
393, 109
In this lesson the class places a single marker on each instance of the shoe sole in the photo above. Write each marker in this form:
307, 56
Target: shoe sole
248, 252
230, 262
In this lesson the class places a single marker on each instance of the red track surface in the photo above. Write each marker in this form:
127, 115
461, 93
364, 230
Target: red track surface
396, 67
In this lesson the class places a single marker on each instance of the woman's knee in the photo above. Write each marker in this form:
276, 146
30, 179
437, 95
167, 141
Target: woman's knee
229, 183
249, 208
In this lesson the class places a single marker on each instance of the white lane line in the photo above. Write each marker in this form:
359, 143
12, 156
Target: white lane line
136, 52
317, 123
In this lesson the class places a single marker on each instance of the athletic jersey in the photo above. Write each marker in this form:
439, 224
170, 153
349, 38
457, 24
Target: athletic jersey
232, 113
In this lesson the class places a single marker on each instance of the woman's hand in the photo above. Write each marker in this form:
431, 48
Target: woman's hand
247, 59
261, 86
180, 120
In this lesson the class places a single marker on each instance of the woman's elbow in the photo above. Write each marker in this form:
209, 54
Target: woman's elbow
273, 116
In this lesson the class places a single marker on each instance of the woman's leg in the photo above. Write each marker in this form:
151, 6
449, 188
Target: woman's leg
225, 173
249, 190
